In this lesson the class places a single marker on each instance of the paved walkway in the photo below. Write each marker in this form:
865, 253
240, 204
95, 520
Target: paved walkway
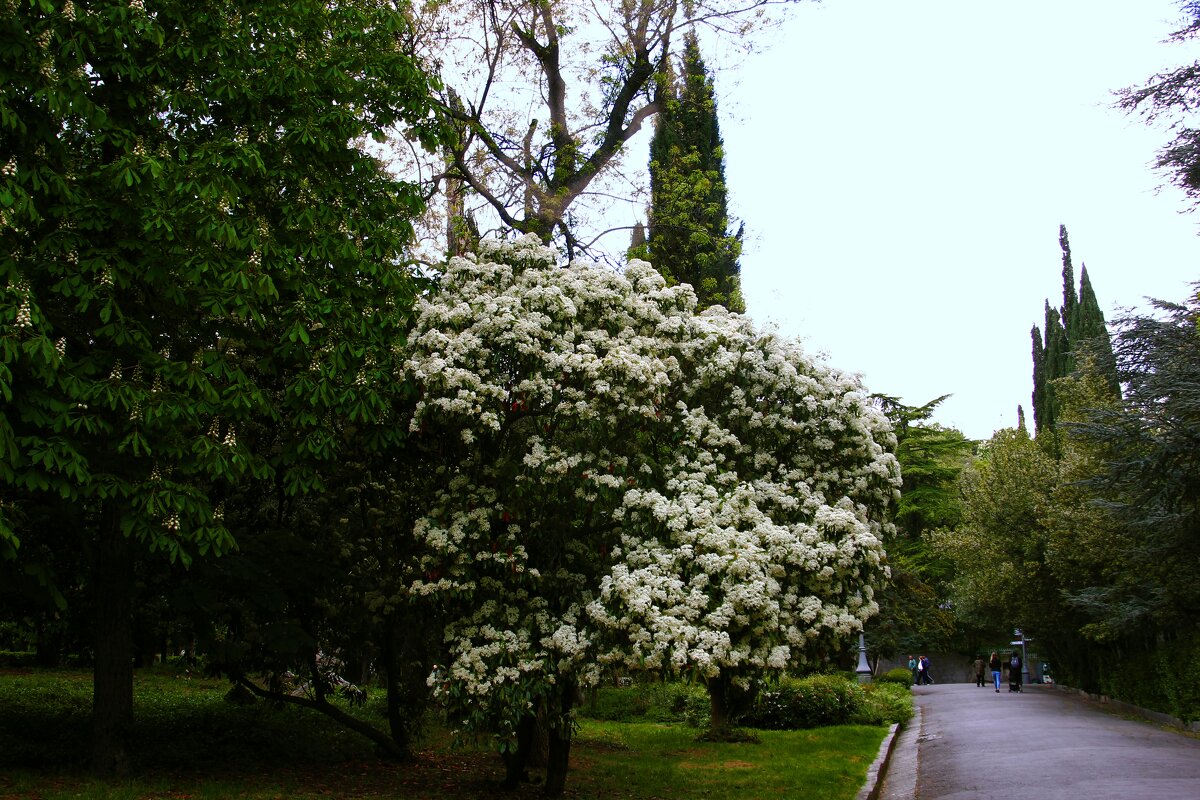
1041, 743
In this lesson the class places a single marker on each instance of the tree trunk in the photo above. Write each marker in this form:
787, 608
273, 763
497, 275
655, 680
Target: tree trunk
718, 698
559, 751
516, 759
397, 724
112, 691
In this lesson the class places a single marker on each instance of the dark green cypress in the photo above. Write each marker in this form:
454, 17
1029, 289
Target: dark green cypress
1090, 333
1040, 419
1068, 275
1075, 329
689, 239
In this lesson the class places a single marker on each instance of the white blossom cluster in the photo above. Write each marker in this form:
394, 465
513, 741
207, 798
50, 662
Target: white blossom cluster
625, 481
763, 540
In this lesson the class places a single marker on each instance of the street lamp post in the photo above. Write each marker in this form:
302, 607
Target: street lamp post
863, 671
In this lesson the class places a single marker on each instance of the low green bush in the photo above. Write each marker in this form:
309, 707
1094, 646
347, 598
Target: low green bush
899, 675
885, 702
811, 702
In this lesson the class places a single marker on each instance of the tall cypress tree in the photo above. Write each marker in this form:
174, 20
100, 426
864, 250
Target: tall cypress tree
1075, 329
689, 240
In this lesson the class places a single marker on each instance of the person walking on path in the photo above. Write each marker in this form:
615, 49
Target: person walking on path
912, 667
979, 670
923, 671
1014, 672
994, 666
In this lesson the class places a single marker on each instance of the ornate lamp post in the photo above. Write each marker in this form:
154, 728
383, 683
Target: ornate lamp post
864, 669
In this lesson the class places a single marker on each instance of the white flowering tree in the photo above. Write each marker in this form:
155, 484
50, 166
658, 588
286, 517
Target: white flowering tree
760, 545
541, 390
622, 481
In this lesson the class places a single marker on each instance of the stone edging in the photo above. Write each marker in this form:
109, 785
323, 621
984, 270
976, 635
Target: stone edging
878, 768
1130, 708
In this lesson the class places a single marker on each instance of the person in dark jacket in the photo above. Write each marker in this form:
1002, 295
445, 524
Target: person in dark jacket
1014, 671
994, 666
923, 671
979, 670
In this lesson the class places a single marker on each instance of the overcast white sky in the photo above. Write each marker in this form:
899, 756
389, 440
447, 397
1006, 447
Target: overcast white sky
902, 167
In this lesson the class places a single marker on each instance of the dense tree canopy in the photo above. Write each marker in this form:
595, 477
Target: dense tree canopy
1149, 478
627, 482
914, 612
195, 249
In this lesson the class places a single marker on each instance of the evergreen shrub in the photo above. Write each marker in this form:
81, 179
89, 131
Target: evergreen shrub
811, 702
899, 675
884, 703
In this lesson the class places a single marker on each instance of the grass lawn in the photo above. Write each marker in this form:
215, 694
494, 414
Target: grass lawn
192, 745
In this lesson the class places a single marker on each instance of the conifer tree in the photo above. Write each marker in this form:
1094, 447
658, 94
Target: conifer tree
1075, 329
689, 240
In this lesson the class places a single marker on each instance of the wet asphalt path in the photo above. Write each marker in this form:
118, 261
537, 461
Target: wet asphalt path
975, 744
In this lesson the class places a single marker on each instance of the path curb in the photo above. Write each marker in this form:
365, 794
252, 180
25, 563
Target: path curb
878, 769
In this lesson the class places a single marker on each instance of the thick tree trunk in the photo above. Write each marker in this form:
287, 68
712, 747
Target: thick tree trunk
112, 692
559, 754
516, 759
393, 681
718, 699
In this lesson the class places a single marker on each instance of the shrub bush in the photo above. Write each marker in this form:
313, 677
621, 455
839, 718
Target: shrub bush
811, 702
885, 702
899, 675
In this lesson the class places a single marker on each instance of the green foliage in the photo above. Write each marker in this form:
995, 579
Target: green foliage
1167, 99
1146, 477
674, 701
1074, 330
1164, 677
900, 676
913, 613
885, 702
193, 742
689, 240
193, 243
998, 551
12, 659
811, 702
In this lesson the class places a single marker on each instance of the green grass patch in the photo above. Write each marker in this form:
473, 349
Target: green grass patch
665, 761
190, 744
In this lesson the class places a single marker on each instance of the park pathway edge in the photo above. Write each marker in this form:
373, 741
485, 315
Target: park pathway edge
879, 767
